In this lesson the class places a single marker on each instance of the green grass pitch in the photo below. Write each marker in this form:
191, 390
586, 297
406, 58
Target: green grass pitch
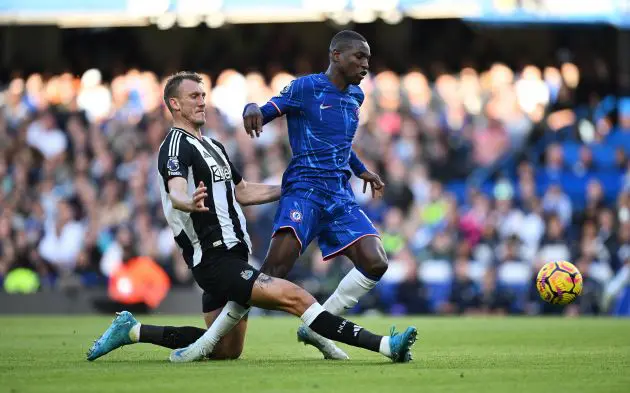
47, 354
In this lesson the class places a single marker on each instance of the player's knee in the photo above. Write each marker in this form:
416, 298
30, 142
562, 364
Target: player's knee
274, 269
375, 263
378, 269
234, 352
227, 354
230, 346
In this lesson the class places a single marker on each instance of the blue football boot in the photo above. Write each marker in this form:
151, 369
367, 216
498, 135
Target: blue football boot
400, 343
114, 337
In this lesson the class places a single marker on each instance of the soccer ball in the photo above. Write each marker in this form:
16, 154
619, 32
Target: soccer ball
559, 282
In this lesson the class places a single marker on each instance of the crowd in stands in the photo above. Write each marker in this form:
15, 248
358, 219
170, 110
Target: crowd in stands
489, 174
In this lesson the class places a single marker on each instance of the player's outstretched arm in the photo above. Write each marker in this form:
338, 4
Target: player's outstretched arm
356, 165
368, 177
178, 195
255, 117
256, 193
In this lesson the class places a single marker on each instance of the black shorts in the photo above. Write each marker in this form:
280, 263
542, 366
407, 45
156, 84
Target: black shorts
225, 275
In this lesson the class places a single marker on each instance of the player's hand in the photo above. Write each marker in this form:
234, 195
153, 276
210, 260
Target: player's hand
252, 120
198, 198
375, 182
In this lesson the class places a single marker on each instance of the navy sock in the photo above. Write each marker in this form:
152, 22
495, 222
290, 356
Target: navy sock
345, 331
170, 336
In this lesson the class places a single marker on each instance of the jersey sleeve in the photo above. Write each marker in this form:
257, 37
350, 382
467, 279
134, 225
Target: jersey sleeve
289, 99
175, 157
236, 175
355, 164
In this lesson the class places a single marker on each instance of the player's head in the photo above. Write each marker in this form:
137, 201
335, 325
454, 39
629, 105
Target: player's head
349, 52
185, 98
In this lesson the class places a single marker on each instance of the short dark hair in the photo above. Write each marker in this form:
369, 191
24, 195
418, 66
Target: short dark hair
173, 82
342, 40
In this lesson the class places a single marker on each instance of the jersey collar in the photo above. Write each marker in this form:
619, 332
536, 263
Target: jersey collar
184, 131
335, 88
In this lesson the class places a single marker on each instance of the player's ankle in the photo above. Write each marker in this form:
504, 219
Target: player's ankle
384, 348
134, 333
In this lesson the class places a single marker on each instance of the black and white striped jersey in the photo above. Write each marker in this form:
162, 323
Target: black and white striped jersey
223, 226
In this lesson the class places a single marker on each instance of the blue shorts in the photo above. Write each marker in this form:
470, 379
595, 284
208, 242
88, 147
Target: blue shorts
336, 223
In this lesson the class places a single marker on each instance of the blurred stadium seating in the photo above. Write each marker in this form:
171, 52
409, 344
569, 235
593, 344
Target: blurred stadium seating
490, 172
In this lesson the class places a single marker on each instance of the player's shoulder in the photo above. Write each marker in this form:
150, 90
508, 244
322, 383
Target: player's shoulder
356, 92
319, 79
316, 78
302, 82
176, 143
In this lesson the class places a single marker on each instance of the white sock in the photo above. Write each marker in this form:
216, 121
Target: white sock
384, 348
312, 313
231, 314
353, 286
134, 333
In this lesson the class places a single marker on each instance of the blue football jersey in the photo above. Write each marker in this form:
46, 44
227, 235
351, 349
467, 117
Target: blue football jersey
322, 121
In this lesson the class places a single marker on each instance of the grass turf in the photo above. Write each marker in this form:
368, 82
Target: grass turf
46, 354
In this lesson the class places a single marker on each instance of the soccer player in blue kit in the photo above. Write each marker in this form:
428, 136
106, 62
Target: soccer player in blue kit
322, 112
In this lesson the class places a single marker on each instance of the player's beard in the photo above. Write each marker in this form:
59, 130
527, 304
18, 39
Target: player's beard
195, 120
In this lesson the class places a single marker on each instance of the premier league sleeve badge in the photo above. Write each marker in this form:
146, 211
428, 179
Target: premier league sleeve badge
172, 164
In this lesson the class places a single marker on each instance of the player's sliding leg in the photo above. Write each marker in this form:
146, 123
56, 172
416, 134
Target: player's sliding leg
278, 294
283, 252
229, 347
370, 263
126, 330
229, 317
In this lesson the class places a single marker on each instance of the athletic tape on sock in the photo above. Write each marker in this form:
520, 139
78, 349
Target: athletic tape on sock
312, 313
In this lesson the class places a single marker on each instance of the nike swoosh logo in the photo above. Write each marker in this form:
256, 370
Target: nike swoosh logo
232, 316
322, 106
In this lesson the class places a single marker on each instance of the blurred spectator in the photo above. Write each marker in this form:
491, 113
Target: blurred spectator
397, 193
558, 203
554, 161
94, 98
473, 221
490, 143
493, 299
62, 241
137, 283
465, 298
554, 243
392, 233
43, 135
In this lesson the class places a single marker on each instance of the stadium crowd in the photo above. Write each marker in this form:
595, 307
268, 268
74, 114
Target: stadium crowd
488, 175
